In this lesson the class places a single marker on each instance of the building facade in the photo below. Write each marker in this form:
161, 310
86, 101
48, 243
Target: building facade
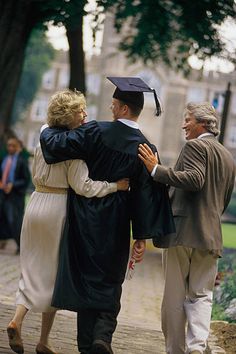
56, 78
173, 89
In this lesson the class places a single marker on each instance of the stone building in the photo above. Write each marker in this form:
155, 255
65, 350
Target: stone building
56, 78
174, 90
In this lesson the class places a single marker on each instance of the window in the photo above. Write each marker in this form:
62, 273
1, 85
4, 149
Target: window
231, 141
63, 79
39, 109
233, 103
48, 81
217, 100
93, 83
196, 94
33, 140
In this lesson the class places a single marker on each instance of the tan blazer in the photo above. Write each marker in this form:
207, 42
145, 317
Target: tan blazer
202, 183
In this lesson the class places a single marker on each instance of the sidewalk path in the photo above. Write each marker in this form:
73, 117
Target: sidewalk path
138, 329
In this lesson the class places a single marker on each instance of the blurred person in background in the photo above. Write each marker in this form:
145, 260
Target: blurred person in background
23, 151
14, 180
44, 222
201, 184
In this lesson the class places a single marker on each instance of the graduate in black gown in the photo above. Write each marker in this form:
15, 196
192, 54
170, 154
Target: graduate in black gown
95, 246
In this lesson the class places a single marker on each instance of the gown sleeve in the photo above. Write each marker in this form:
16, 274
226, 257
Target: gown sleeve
151, 212
79, 180
59, 144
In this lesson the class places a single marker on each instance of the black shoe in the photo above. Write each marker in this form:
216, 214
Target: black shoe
99, 346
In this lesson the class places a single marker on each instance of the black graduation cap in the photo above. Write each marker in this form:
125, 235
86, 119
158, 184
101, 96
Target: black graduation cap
130, 90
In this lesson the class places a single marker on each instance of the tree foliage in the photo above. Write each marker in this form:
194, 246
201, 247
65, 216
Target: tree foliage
17, 20
155, 30
172, 30
39, 54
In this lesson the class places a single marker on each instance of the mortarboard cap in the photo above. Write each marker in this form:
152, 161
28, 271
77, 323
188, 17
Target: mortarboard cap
130, 90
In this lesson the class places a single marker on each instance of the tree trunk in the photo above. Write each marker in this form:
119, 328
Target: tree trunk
76, 56
15, 29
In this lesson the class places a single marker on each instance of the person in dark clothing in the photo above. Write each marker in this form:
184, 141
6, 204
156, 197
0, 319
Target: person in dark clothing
14, 179
95, 246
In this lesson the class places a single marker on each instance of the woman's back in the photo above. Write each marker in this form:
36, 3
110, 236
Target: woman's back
49, 175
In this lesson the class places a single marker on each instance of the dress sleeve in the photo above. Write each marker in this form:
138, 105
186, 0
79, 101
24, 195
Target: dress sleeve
79, 180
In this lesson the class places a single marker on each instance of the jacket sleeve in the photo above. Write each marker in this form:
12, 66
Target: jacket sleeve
192, 177
79, 180
22, 179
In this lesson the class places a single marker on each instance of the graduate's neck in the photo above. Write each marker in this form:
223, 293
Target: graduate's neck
129, 117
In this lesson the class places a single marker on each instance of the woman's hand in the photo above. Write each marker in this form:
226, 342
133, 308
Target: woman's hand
123, 184
147, 156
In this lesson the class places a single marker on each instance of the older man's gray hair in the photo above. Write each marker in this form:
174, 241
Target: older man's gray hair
205, 112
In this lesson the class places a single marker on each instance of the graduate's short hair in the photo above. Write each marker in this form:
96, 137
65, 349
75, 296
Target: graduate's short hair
205, 113
63, 106
134, 110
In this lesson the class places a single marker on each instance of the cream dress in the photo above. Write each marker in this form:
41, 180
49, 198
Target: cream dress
43, 226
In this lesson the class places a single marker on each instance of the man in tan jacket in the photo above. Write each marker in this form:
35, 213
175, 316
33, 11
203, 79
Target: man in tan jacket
201, 185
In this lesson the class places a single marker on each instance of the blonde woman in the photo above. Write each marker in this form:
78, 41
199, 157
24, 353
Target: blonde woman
44, 222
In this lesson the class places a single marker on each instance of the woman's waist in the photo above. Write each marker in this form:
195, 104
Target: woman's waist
49, 189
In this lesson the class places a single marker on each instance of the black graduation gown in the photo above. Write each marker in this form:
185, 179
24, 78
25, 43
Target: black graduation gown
95, 246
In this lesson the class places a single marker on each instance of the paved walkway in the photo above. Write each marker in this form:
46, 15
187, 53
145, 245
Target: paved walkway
138, 330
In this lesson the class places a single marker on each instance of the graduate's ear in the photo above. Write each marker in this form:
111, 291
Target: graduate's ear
126, 109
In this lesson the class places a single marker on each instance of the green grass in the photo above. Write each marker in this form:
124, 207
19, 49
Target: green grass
229, 235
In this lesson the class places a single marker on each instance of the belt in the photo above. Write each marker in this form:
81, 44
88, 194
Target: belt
55, 190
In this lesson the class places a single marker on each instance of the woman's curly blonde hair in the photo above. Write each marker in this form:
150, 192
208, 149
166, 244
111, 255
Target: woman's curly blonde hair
63, 106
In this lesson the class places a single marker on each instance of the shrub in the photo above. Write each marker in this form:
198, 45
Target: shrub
226, 292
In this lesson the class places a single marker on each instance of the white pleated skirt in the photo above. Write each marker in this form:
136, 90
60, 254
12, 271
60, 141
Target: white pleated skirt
40, 239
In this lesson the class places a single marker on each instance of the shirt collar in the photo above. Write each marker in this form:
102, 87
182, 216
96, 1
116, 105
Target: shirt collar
128, 122
204, 134
12, 156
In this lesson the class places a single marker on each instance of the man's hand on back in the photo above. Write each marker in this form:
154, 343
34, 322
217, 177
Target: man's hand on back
147, 156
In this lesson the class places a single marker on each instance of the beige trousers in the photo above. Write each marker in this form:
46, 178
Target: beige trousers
187, 301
